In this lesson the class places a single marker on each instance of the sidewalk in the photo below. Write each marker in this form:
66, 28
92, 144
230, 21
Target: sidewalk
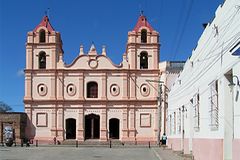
168, 154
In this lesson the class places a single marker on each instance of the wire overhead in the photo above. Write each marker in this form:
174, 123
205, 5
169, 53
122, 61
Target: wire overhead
179, 38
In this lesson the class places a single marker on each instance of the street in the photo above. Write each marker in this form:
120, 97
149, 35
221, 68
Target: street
70, 153
84, 153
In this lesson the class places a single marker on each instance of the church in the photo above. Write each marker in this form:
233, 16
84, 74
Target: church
92, 98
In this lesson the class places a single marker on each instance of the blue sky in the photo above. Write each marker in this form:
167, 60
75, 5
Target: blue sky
104, 22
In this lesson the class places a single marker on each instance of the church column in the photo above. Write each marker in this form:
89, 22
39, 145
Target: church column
60, 85
125, 86
132, 129
104, 86
81, 86
133, 86
80, 135
60, 117
29, 129
29, 59
103, 125
125, 123
54, 122
132, 57
155, 57
53, 59
149, 38
28, 86
53, 87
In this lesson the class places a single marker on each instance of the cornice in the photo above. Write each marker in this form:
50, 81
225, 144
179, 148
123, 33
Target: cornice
90, 101
130, 71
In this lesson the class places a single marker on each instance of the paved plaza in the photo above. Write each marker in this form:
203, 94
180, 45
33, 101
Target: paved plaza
86, 153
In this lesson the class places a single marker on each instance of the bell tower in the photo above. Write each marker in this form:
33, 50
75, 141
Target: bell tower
43, 52
43, 47
143, 46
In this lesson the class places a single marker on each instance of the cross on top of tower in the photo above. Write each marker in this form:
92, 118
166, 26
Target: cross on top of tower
45, 23
142, 21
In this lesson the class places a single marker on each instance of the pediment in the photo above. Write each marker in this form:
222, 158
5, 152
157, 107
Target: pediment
98, 62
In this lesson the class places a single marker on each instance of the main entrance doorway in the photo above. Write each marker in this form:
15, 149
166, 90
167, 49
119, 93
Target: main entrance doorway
70, 128
114, 128
92, 126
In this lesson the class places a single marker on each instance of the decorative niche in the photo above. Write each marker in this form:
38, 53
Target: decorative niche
41, 120
145, 120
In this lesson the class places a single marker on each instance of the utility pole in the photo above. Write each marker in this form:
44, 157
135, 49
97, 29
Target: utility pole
159, 112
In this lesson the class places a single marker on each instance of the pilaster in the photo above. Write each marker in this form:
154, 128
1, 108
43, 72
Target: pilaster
155, 59
29, 128
53, 87
29, 59
125, 124
104, 86
60, 127
60, 82
103, 125
81, 86
53, 59
132, 86
125, 88
132, 128
54, 121
28, 86
80, 135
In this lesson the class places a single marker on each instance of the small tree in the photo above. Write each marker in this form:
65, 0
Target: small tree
5, 107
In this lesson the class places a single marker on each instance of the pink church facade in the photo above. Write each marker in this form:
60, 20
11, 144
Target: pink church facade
92, 98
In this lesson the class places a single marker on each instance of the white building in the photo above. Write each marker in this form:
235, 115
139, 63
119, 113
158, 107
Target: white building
169, 72
204, 108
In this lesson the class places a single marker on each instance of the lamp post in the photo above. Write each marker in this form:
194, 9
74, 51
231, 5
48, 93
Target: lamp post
159, 107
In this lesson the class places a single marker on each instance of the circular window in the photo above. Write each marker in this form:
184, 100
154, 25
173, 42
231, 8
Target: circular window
114, 90
93, 63
71, 90
42, 89
145, 90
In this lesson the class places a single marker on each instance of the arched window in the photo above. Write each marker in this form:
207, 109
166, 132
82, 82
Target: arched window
42, 37
42, 60
143, 60
92, 90
144, 36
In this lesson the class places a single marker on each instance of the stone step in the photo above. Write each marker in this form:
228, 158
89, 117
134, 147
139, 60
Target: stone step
91, 142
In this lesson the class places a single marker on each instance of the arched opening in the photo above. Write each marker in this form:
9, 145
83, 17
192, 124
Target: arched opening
42, 37
70, 128
92, 126
42, 60
143, 60
92, 90
144, 36
114, 128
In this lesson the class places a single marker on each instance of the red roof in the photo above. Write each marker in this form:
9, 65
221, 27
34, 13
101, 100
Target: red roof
142, 21
45, 22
